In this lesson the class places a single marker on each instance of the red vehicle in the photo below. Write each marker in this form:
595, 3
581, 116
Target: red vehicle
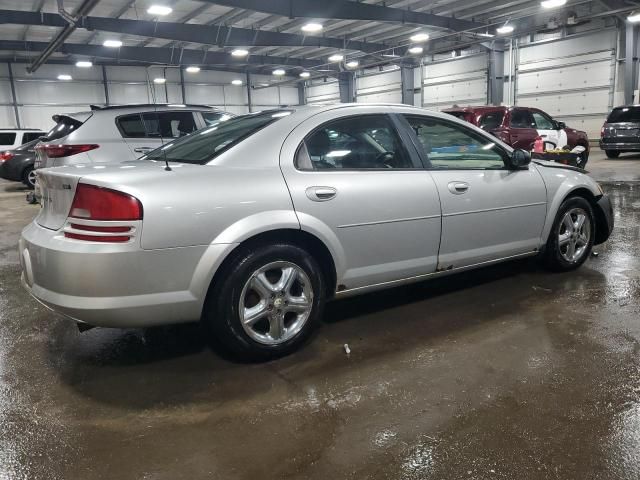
520, 126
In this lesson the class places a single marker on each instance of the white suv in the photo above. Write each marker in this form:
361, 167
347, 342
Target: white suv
119, 133
11, 138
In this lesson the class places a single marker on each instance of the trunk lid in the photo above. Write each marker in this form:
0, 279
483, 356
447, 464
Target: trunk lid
55, 189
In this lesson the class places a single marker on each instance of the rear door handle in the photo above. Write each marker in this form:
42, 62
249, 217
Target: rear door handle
458, 188
142, 149
321, 194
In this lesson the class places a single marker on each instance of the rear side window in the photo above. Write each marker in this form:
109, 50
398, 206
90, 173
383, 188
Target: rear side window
363, 142
491, 121
522, 119
8, 138
30, 136
64, 126
131, 126
624, 114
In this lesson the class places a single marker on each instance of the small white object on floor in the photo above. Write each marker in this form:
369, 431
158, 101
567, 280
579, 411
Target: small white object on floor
594, 254
347, 350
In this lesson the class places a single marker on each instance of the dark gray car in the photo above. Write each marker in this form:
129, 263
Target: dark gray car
17, 164
621, 131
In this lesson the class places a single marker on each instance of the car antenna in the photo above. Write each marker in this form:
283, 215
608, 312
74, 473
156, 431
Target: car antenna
155, 107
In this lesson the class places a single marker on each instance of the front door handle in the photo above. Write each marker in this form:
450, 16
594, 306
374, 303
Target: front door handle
458, 188
142, 149
321, 194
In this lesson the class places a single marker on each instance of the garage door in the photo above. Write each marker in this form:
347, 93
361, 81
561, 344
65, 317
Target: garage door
570, 79
323, 93
460, 81
379, 87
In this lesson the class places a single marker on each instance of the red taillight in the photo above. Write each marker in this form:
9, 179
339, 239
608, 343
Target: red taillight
57, 151
4, 156
96, 203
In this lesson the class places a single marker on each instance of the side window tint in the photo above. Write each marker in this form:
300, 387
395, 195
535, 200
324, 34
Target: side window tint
169, 124
363, 142
7, 138
543, 122
522, 119
491, 121
30, 136
131, 126
450, 146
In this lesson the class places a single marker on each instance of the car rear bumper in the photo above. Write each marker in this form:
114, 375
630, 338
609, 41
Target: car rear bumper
9, 173
115, 286
604, 219
620, 146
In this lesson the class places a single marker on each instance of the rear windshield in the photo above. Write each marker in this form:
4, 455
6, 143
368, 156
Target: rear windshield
7, 138
64, 126
624, 114
206, 144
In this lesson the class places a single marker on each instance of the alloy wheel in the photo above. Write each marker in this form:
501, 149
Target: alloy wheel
31, 178
276, 303
574, 234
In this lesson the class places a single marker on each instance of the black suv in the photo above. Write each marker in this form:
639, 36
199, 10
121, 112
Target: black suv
621, 132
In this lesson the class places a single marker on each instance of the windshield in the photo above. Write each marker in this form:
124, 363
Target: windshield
624, 114
204, 145
64, 126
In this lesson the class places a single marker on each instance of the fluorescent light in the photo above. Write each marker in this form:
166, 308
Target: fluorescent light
239, 52
311, 27
336, 58
278, 71
504, 29
192, 69
552, 3
159, 10
415, 50
112, 43
159, 80
634, 17
419, 37
352, 64
236, 82
84, 64
64, 76
305, 74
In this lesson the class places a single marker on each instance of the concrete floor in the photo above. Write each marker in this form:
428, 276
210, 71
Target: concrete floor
504, 373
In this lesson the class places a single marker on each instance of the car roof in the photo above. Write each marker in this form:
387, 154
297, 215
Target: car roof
152, 106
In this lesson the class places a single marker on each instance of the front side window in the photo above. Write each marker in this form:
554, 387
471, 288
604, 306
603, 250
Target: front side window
447, 145
543, 122
7, 138
361, 142
206, 144
522, 119
491, 121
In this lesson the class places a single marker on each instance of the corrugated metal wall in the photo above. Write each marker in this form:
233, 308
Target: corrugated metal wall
460, 81
379, 87
321, 92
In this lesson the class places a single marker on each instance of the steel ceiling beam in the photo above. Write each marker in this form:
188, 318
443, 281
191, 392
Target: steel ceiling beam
194, 33
164, 56
347, 10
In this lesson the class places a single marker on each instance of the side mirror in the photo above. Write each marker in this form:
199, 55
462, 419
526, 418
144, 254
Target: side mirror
561, 125
520, 158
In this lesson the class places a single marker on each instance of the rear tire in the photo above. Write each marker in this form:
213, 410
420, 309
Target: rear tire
583, 158
267, 302
612, 153
29, 177
571, 237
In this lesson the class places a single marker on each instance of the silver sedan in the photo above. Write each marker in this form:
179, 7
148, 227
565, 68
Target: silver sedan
251, 224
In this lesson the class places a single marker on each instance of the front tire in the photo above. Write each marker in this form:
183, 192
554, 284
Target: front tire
571, 237
612, 153
29, 177
267, 302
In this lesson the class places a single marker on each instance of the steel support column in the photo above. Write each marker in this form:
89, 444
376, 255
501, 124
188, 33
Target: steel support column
302, 98
496, 76
184, 96
14, 98
105, 85
249, 91
630, 63
347, 87
407, 81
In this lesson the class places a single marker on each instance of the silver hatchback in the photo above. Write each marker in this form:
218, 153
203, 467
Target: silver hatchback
250, 225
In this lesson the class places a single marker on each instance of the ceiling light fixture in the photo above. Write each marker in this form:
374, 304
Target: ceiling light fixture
552, 3
236, 82
192, 69
278, 71
311, 27
112, 43
239, 52
336, 57
419, 37
159, 80
305, 74
415, 50
159, 10
634, 17
504, 29
83, 64
64, 76
352, 64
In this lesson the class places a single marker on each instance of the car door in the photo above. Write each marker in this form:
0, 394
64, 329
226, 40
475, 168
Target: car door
354, 183
552, 136
134, 132
489, 211
522, 129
